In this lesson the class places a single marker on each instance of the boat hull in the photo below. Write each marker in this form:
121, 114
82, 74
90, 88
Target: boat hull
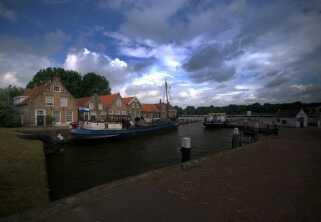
214, 125
89, 134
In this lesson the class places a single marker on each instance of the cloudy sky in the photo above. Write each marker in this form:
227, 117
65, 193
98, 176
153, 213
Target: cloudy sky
211, 52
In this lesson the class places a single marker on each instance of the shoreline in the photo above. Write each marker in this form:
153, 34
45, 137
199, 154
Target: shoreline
23, 175
255, 182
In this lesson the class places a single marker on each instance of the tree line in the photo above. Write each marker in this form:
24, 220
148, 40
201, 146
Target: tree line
266, 108
91, 83
77, 85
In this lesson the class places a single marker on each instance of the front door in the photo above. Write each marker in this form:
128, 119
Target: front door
40, 118
40, 121
301, 122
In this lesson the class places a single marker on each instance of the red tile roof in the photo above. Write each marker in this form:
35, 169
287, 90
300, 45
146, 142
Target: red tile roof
149, 108
126, 100
107, 100
83, 101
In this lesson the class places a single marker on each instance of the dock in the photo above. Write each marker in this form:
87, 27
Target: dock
276, 179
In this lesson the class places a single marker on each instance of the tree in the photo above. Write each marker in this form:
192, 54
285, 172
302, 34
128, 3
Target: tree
77, 85
8, 115
190, 110
94, 84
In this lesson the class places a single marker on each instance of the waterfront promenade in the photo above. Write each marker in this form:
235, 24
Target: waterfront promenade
276, 179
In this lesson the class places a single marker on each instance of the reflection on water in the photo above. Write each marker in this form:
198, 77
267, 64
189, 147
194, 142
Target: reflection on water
83, 166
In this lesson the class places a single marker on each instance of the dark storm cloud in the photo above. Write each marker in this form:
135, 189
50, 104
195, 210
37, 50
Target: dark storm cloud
290, 93
260, 50
7, 13
208, 63
277, 82
21, 58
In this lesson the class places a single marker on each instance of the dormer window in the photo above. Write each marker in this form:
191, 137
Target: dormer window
49, 101
57, 89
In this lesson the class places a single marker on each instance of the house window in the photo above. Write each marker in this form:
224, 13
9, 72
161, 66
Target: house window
68, 116
57, 89
118, 103
63, 101
100, 106
40, 113
49, 100
56, 116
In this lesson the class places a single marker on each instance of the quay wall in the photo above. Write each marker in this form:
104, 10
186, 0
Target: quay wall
229, 186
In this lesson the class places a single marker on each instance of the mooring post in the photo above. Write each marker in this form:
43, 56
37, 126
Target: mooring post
186, 149
236, 138
256, 131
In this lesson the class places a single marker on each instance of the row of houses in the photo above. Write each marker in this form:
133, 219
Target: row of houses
52, 104
295, 117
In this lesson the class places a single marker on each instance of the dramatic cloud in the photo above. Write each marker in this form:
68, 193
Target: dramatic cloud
21, 58
211, 52
210, 63
84, 61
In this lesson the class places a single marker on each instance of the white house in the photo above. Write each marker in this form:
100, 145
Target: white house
292, 118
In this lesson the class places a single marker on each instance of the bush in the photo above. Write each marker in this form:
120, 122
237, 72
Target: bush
8, 116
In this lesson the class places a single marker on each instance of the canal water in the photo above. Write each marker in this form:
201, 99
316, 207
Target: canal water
82, 166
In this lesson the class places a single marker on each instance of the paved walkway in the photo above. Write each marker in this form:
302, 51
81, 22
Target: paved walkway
276, 179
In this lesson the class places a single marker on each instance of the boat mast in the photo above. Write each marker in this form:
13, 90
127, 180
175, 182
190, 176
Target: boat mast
166, 95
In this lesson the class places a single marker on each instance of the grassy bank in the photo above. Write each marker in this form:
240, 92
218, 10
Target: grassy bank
23, 182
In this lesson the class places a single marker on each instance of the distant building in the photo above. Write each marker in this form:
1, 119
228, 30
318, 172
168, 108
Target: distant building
159, 110
133, 107
91, 109
292, 118
102, 108
166, 111
314, 114
49, 104
150, 111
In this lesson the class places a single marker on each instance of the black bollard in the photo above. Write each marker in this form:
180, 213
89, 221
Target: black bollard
186, 149
236, 138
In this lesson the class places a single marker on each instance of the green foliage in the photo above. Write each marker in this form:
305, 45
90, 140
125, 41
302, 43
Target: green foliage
266, 108
49, 120
8, 115
77, 85
94, 84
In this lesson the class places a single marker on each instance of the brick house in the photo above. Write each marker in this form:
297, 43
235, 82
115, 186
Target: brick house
166, 111
133, 107
46, 104
150, 111
102, 108
91, 109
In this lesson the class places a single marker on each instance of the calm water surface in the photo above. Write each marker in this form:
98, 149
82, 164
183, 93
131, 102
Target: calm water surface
83, 166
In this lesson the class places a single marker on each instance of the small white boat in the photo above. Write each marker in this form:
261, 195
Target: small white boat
215, 120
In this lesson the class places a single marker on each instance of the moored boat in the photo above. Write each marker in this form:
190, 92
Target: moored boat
93, 134
215, 120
